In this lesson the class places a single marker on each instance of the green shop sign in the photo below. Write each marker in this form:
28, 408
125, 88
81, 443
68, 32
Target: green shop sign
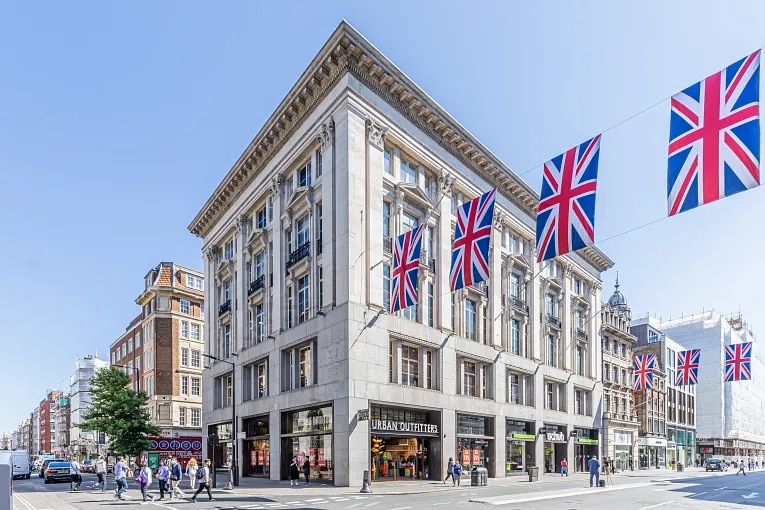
530, 437
581, 440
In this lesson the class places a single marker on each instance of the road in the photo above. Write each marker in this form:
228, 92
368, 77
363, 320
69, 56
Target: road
694, 491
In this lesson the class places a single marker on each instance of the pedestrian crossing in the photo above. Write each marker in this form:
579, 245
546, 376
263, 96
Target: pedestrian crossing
351, 502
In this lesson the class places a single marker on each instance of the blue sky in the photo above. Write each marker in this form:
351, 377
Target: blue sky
119, 119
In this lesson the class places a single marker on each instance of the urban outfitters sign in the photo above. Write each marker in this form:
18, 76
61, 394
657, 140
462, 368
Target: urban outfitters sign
403, 426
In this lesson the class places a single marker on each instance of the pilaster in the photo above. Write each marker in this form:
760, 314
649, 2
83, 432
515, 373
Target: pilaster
375, 163
444, 258
495, 307
276, 261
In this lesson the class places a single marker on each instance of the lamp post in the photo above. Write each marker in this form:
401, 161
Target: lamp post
234, 468
137, 376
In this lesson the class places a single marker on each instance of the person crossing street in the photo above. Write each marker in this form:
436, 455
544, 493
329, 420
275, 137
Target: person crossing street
594, 466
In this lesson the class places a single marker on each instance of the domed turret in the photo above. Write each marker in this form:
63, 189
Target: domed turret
617, 299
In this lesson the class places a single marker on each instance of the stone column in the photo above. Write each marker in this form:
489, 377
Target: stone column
239, 306
275, 444
276, 264
325, 136
444, 255
211, 299
567, 324
498, 462
495, 287
536, 306
373, 222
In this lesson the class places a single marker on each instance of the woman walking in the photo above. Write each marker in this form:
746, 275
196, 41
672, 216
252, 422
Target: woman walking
144, 480
191, 472
163, 474
294, 471
450, 470
306, 470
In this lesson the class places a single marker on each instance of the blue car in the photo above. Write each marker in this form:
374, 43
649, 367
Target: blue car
58, 472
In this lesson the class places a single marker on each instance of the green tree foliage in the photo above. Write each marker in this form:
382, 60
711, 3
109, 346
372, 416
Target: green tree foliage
118, 412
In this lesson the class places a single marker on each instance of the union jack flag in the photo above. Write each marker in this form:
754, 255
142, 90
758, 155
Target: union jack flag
714, 137
406, 265
472, 237
688, 367
566, 214
738, 362
643, 368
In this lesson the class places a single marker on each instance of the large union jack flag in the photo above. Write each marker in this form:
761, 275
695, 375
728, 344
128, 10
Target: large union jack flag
643, 369
687, 367
406, 266
566, 214
714, 137
472, 237
738, 362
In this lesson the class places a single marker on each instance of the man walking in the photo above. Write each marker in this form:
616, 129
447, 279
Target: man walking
101, 472
594, 466
563, 467
176, 475
120, 477
741, 468
74, 474
203, 477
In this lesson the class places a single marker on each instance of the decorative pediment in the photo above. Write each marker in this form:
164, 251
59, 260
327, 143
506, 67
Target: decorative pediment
258, 239
301, 197
225, 268
414, 191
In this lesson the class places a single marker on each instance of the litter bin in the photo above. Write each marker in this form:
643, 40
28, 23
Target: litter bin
474, 477
483, 476
679, 468
533, 474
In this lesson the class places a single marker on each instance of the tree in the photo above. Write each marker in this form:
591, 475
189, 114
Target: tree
118, 411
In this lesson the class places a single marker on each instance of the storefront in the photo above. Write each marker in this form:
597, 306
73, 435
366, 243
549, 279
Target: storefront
256, 447
555, 444
404, 443
221, 454
706, 451
652, 452
623, 450
586, 443
519, 446
475, 439
182, 448
307, 433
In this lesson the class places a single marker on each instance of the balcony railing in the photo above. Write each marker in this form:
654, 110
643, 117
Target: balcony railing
553, 320
224, 308
429, 263
519, 304
388, 244
581, 334
257, 284
297, 255
318, 246
481, 288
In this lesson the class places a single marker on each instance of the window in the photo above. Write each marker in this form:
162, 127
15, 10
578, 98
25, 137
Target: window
321, 286
229, 251
581, 398
387, 164
270, 207
149, 385
182, 416
259, 323
386, 286
408, 172
514, 395
184, 329
304, 175
515, 337
226, 347
226, 291
454, 312
318, 163
124, 350
552, 351
303, 230
138, 362
130, 345
260, 218
184, 385
195, 359
515, 285
408, 222
471, 319
429, 319
223, 391
114, 357
184, 357
386, 220
195, 329
319, 220
410, 365
468, 379
255, 378
624, 350
577, 286
196, 384
289, 306
298, 366
303, 303
260, 264
148, 358
580, 361
196, 417
138, 340
550, 305
194, 282
555, 396
289, 185
520, 388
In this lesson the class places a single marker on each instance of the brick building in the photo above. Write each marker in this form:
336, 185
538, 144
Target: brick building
47, 422
163, 347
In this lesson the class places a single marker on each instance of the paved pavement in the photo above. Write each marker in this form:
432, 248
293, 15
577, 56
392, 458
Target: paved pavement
640, 490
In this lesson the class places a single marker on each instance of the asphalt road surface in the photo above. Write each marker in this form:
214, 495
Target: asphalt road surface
715, 490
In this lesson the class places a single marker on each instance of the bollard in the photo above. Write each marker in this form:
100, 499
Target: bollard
365, 488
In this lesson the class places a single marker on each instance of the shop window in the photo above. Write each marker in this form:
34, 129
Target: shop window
298, 366
257, 447
307, 434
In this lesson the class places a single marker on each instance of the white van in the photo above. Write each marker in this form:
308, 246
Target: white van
19, 461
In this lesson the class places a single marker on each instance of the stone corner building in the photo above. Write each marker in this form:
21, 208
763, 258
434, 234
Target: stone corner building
297, 247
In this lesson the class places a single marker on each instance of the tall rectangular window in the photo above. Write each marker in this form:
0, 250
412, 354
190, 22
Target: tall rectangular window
580, 361
514, 382
409, 222
184, 357
319, 220
259, 323
304, 175
184, 329
260, 264
261, 218
318, 163
262, 381
196, 359
195, 331
305, 366
431, 300
182, 416
469, 379
515, 337
321, 286
184, 385
408, 172
289, 306
303, 230
552, 352
410, 365
196, 417
471, 318
185, 306
226, 348
229, 250
387, 164
386, 286
386, 219
226, 291
196, 384
303, 303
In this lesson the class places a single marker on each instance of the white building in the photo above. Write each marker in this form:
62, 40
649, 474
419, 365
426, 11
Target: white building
297, 243
82, 442
730, 415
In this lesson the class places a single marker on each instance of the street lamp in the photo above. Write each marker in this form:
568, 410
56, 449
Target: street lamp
137, 376
234, 468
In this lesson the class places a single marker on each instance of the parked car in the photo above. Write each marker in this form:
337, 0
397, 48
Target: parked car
715, 465
87, 467
58, 472
45, 464
19, 461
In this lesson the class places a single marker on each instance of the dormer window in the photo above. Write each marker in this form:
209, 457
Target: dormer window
304, 175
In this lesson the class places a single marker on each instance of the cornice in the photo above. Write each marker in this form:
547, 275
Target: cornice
347, 51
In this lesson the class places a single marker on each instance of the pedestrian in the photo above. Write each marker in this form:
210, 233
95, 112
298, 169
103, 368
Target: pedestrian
203, 477
563, 467
121, 474
191, 472
741, 468
101, 472
294, 471
594, 466
74, 475
449, 471
163, 475
175, 479
144, 480
307, 470
457, 474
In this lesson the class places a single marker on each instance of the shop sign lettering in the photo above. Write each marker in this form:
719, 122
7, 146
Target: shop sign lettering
556, 436
403, 426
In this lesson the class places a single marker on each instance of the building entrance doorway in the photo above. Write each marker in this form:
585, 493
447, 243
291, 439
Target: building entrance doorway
400, 458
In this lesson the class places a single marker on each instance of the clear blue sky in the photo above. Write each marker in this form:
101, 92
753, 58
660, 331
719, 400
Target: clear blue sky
119, 119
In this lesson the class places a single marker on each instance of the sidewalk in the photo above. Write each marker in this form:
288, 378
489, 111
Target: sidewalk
264, 487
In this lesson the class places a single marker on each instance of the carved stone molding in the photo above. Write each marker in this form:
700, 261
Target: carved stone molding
399, 200
499, 219
324, 136
446, 183
276, 186
211, 253
241, 225
376, 134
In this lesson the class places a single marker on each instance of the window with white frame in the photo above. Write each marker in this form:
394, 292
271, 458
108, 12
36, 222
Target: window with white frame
270, 207
196, 384
124, 350
408, 222
318, 163
184, 329
182, 416
303, 230
184, 385
260, 328
138, 339
195, 331
582, 402
184, 357
149, 385
223, 391
304, 175
226, 290
520, 388
386, 220
408, 172
114, 357
196, 359
138, 362
431, 301
229, 250
304, 307
471, 319
413, 365
226, 343
386, 286
387, 165
196, 417
555, 396
551, 357
298, 365
410, 365
255, 376
289, 306
321, 286
147, 356
185, 306
194, 282
469, 375
260, 218
130, 345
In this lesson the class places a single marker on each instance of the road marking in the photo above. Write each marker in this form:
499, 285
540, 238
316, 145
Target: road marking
750, 495
698, 494
439, 504
25, 502
292, 503
346, 499
401, 508
502, 500
656, 506
314, 500
359, 497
